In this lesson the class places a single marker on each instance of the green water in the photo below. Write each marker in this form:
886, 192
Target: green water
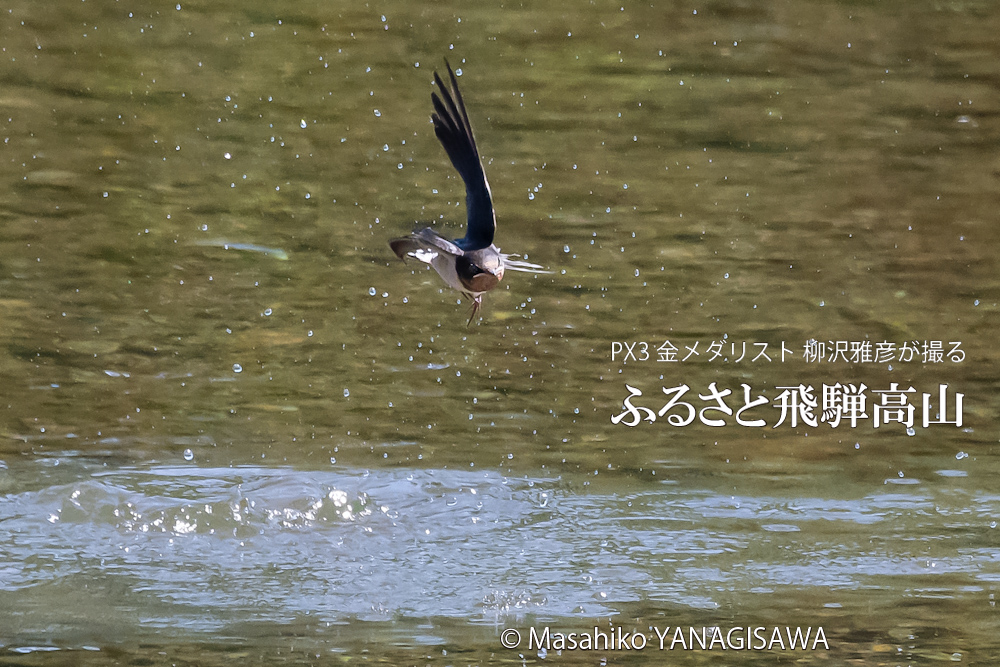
234, 427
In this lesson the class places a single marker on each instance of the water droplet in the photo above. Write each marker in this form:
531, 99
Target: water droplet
347, 393
302, 124
237, 368
372, 291
188, 455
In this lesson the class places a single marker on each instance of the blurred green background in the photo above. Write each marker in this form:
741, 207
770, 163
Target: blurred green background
234, 427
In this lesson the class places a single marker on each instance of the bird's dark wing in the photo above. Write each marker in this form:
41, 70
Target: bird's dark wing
451, 125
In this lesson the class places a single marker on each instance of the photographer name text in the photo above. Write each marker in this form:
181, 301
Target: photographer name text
679, 638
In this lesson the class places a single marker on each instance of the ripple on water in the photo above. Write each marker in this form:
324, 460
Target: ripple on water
205, 547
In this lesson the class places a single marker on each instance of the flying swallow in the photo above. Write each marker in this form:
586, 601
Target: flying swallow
473, 265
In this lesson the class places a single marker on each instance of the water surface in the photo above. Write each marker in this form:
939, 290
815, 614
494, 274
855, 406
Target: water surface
234, 426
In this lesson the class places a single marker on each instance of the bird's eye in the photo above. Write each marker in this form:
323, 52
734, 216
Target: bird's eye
465, 268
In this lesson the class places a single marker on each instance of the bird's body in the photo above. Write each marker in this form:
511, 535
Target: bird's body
472, 264
473, 272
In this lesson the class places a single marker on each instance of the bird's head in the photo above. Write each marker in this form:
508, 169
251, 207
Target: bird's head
481, 277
